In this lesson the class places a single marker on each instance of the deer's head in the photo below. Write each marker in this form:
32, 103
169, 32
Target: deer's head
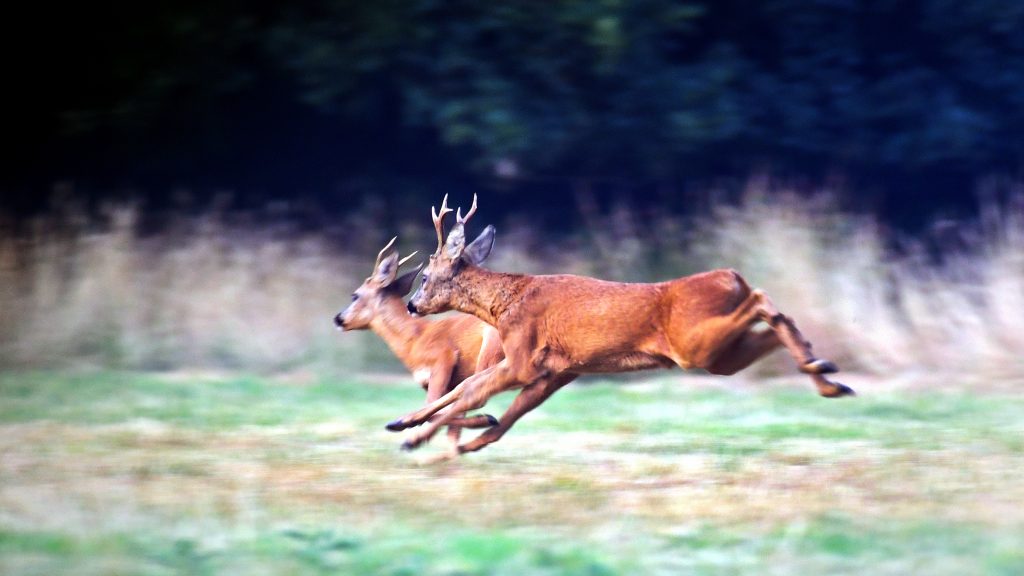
452, 256
383, 285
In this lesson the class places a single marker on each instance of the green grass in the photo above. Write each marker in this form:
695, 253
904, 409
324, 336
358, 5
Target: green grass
120, 473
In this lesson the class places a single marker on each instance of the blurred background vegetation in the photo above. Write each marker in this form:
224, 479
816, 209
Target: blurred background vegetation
905, 105
188, 172
226, 290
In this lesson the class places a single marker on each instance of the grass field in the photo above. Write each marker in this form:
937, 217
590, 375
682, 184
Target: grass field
121, 473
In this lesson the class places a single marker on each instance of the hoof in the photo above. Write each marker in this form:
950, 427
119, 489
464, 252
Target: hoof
838, 391
395, 425
491, 420
819, 367
408, 446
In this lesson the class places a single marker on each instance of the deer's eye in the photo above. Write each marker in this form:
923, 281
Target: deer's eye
355, 297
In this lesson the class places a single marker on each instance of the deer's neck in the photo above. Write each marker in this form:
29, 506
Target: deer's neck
398, 329
486, 294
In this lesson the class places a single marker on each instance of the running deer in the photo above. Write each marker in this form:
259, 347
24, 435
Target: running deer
439, 354
555, 328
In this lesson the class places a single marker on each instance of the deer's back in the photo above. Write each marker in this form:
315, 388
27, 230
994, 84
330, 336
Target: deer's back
598, 325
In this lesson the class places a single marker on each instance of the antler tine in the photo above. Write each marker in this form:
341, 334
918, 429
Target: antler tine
439, 221
380, 255
406, 259
472, 210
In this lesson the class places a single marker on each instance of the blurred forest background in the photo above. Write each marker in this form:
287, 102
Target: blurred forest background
185, 172
907, 104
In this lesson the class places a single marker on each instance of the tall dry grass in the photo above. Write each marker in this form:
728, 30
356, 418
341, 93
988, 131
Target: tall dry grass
201, 293
949, 304
209, 292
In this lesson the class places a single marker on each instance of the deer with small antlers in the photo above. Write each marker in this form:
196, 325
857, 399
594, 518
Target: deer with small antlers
555, 328
440, 354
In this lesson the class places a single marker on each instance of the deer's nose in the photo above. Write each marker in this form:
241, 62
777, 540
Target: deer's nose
411, 307
338, 321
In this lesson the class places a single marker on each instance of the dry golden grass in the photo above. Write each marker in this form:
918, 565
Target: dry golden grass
210, 292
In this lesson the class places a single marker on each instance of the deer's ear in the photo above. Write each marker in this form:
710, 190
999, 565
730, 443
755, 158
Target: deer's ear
404, 282
480, 249
386, 270
456, 242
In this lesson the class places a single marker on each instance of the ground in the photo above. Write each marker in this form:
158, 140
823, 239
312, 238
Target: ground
114, 473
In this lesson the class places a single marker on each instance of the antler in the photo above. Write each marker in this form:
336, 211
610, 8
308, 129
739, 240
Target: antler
380, 256
439, 221
406, 259
472, 210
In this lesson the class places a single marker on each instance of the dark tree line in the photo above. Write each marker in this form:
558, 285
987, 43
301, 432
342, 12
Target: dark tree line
651, 92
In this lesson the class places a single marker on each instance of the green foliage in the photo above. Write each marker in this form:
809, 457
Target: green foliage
645, 89
599, 88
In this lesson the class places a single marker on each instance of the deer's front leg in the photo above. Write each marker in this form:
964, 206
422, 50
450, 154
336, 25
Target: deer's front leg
441, 374
476, 390
528, 399
491, 351
420, 416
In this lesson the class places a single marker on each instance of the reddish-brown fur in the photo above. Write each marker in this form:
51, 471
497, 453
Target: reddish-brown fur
439, 354
555, 328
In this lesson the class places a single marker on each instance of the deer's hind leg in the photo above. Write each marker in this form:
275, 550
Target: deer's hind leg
750, 347
725, 344
721, 343
800, 348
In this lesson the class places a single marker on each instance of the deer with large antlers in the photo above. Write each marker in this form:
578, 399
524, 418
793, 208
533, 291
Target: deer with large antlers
439, 354
555, 328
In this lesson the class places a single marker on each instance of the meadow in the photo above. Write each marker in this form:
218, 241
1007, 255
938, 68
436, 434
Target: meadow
193, 473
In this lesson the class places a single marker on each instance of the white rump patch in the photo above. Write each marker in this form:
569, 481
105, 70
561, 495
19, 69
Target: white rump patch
421, 376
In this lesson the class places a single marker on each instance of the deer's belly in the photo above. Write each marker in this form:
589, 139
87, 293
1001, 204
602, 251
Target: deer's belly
625, 362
